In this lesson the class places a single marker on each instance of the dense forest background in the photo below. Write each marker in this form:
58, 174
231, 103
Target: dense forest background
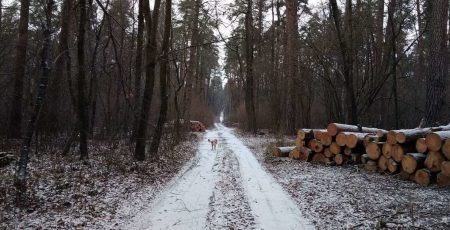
124, 68
369, 62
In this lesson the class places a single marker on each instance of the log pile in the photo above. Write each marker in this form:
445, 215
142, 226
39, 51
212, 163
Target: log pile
421, 154
197, 126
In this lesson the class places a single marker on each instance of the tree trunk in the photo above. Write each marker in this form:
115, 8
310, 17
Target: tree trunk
138, 64
82, 109
292, 62
334, 128
437, 73
21, 172
192, 63
163, 78
249, 85
150, 65
15, 119
345, 40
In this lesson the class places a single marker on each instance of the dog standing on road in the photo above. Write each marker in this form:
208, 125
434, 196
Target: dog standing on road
213, 143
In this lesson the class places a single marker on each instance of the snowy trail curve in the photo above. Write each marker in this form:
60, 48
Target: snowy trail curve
224, 189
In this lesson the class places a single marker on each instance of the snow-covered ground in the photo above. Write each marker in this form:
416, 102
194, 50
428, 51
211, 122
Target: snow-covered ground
351, 198
225, 189
110, 189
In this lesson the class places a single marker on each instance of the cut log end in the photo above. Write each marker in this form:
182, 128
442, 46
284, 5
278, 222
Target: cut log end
371, 166
282, 151
339, 159
319, 158
433, 161
373, 150
445, 168
443, 180
413, 161
382, 163
421, 145
391, 137
423, 177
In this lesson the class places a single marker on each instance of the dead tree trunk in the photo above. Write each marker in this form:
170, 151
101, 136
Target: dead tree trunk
21, 172
15, 119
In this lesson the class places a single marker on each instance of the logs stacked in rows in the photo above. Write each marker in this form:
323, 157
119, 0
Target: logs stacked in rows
421, 155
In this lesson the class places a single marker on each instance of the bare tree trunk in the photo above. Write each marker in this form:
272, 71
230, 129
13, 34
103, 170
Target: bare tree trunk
420, 67
138, 64
192, 64
345, 45
150, 65
15, 119
292, 62
1, 15
438, 61
249, 85
21, 172
163, 76
82, 109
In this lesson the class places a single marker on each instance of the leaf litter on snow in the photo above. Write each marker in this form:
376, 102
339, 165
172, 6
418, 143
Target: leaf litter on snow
101, 193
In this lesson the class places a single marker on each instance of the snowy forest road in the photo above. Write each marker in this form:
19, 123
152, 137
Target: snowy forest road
225, 188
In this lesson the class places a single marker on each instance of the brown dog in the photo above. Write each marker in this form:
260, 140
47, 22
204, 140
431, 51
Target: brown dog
213, 143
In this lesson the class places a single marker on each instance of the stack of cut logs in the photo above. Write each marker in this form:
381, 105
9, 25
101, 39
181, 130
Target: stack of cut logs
421, 154
197, 126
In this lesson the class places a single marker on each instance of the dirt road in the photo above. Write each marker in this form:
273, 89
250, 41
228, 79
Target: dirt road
223, 189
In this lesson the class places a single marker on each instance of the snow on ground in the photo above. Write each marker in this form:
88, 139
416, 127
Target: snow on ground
225, 189
351, 198
102, 194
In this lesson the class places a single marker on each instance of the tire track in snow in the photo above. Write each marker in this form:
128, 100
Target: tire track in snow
271, 205
226, 188
229, 207
184, 204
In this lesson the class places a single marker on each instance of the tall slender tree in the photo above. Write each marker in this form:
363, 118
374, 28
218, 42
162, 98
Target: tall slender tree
345, 36
138, 64
15, 119
82, 108
193, 59
21, 172
292, 61
152, 23
163, 78
249, 84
